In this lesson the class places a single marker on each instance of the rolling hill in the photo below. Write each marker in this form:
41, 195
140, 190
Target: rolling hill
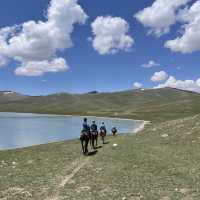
152, 104
10, 96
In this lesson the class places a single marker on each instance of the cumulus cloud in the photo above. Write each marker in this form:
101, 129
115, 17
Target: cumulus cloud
190, 40
3, 61
189, 85
35, 44
160, 16
137, 85
150, 64
111, 35
38, 68
159, 76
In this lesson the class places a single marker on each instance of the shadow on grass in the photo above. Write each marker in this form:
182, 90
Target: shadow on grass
106, 142
99, 147
92, 153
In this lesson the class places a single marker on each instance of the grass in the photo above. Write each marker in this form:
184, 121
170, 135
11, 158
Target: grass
161, 162
153, 105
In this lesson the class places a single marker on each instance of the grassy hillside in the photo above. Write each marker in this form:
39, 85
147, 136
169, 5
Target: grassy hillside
159, 104
9, 96
161, 162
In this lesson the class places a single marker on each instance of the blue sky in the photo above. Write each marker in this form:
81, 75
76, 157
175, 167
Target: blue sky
88, 70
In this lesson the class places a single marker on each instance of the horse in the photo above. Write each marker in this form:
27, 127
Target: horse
114, 131
103, 135
84, 138
94, 139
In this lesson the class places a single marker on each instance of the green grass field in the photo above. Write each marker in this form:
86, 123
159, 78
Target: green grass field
162, 162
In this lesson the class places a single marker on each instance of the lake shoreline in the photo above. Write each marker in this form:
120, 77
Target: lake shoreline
76, 115
139, 127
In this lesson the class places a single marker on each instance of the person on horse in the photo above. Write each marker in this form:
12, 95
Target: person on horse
103, 132
94, 134
85, 136
114, 131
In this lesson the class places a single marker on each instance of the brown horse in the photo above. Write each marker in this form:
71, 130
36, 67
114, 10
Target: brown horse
84, 138
114, 131
103, 135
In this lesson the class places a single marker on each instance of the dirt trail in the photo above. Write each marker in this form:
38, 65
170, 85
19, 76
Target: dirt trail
74, 172
77, 165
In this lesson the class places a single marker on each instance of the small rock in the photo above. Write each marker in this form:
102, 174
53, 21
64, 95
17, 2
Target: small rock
184, 191
3, 162
164, 135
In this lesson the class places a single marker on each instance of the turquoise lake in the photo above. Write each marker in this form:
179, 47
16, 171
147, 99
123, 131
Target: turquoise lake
25, 129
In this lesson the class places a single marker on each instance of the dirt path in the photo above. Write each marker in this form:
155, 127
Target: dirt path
74, 172
77, 165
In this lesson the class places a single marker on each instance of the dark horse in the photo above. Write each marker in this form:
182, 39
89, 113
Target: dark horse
84, 138
94, 139
114, 131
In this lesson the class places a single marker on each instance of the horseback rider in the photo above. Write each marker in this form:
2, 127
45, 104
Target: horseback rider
94, 133
85, 136
103, 127
103, 132
85, 124
93, 127
114, 131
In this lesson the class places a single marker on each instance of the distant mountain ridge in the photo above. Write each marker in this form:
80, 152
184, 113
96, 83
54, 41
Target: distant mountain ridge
151, 104
9, 96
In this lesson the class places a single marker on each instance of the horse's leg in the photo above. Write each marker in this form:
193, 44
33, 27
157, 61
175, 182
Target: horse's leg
86, 144
82, 145
91, 141
93, 138
96, 140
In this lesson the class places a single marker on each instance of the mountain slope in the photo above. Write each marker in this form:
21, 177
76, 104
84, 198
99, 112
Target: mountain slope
10, 96
154, 104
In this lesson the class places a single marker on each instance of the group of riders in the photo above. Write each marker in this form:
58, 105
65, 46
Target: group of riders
89, 135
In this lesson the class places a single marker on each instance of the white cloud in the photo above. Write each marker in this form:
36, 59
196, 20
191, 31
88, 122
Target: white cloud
190, 40
35, 44
160, 16
159, 76
137, 85
111, 35
3, 61
189, 85
198, 82
38, 68
150, 64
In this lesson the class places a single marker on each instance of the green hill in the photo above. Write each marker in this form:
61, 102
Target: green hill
10, 96
153, 104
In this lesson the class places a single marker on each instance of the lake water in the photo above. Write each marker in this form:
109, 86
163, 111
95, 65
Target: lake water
21, 130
